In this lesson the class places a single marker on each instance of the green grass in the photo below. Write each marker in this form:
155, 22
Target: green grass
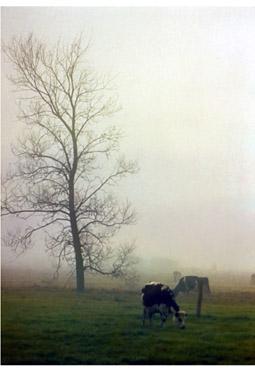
104, 327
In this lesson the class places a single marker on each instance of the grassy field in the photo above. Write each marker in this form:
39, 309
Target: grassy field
104, 327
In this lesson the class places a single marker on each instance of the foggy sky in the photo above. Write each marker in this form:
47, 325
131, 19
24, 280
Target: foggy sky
185, 78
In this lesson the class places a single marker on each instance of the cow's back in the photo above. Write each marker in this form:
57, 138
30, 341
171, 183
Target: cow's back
151, 293
156, 293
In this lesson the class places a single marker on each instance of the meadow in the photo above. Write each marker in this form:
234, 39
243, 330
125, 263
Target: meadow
53, 326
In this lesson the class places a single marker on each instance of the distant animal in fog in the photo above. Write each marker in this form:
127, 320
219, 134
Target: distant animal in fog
176, 276
159, 298
190, 283
253, 279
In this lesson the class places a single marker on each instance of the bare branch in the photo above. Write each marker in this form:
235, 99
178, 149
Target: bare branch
62, 177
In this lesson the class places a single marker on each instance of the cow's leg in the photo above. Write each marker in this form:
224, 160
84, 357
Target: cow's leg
163, 319
163, 310
144, 316
150, 317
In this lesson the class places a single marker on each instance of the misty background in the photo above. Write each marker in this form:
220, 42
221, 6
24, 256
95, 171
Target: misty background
185, 79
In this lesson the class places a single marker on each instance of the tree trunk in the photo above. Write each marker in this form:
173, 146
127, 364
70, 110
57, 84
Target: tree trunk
73, 218
80, 280
76, 243
78, 257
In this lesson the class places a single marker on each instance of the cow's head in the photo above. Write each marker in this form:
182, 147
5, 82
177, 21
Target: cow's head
179, 318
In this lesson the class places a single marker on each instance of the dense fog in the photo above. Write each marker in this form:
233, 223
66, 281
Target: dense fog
185, 80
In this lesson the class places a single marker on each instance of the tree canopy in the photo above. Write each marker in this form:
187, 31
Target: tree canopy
68, 160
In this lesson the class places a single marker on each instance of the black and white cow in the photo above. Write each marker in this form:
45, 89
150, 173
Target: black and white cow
159, 298
190, 283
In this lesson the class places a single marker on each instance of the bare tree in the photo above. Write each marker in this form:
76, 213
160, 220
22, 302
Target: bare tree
67, 160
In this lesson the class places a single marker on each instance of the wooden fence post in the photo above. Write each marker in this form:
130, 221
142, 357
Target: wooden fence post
199, 297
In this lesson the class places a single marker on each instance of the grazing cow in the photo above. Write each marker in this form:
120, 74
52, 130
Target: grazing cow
253, 279
190, 283
159, 298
